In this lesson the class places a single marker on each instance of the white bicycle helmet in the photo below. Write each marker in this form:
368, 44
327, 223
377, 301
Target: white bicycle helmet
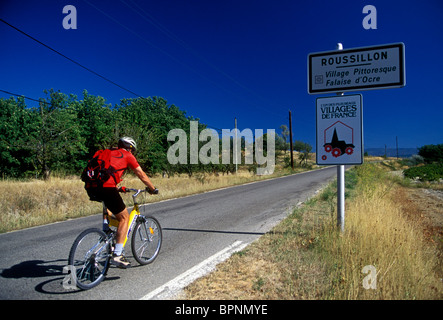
127, 143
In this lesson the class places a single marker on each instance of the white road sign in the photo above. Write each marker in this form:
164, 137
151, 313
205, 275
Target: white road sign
340, 130
357, 69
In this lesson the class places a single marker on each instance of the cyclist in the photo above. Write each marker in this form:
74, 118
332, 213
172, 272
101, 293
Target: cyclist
121, 158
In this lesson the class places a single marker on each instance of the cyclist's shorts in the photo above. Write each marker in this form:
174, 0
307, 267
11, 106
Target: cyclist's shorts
110, 196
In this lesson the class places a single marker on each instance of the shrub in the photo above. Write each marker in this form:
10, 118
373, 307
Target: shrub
431, 153
430, 172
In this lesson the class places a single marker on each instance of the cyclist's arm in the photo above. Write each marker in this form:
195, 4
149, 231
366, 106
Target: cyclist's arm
143, 177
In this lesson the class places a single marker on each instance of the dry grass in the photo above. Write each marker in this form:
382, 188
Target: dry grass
306, 257
30, 203
378, 233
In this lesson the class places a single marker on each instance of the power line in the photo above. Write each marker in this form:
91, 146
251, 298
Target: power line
153, 45
170, 34
77, 63
149, 18
21, 95
72, 60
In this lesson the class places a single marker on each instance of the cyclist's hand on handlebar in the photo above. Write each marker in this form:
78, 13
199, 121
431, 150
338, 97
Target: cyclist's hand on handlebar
155, 191
122, 189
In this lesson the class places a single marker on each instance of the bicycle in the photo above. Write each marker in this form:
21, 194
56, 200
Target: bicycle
91, 252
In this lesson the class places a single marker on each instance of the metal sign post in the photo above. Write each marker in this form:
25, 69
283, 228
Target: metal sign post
340, 183
341, 197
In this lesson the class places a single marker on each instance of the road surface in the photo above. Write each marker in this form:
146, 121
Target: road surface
197, 230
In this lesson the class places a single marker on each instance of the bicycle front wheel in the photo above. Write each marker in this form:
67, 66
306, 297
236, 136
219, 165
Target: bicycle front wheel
89, 258
146, 239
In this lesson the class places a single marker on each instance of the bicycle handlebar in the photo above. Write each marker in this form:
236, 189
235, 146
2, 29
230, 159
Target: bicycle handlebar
137, 191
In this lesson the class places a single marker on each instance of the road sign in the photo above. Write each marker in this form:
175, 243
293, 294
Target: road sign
340, 130
357, 69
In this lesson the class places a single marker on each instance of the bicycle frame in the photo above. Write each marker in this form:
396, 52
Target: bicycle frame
135, 213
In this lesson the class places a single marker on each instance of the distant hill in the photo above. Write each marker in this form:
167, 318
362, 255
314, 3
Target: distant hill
392, 152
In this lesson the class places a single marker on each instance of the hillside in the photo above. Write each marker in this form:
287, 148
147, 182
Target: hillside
392, 152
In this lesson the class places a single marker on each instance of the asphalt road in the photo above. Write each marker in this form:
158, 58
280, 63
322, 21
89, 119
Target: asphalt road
194, 228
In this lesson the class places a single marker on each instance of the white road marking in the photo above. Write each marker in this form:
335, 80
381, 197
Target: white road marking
173, 287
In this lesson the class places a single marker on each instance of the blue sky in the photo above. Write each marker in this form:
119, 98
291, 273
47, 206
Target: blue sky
220, 60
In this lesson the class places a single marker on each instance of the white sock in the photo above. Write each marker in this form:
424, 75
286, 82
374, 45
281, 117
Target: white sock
118, 249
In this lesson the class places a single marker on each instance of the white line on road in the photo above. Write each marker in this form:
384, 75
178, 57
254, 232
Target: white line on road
173, 287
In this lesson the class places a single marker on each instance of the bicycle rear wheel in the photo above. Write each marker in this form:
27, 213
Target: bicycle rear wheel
89, 258
146, 239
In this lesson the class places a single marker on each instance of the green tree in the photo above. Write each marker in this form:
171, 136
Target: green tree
431, 153
284, 135
62, 133
97, 123
15, 126
148, 121
56, 142
304, 149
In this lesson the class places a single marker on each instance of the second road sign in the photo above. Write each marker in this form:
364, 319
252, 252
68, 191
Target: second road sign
340, 130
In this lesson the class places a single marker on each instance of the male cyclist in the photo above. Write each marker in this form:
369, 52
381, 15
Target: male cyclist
121, 158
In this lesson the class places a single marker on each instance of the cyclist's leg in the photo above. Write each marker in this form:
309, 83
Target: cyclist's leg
123, 225
116, 206
122, 230
106, 214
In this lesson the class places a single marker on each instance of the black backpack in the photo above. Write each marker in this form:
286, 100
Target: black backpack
98, 170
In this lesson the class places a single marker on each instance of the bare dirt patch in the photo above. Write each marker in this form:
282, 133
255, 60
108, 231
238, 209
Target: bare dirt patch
425, 206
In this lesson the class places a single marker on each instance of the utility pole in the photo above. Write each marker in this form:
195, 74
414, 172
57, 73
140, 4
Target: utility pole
290, 140
235, 147
396, 144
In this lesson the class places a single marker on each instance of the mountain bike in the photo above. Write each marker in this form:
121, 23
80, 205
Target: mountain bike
90, 255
